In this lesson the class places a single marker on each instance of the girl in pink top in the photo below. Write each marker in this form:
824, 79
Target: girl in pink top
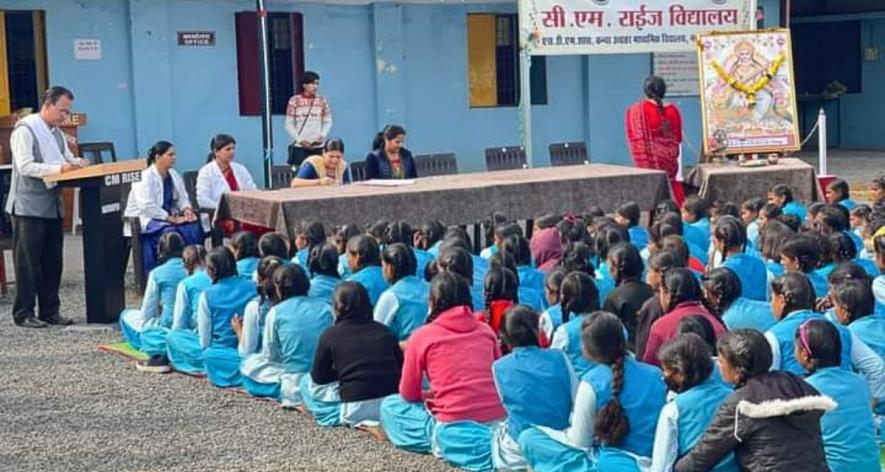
454, 411
680, 296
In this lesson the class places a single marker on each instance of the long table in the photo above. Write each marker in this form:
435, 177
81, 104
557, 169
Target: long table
462, 199
732, 183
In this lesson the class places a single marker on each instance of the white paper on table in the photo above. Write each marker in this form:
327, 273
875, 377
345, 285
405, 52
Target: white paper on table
389, 183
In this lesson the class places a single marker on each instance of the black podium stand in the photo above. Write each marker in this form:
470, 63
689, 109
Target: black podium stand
100, 199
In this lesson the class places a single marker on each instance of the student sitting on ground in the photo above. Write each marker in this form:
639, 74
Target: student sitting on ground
214, 343
722, 297
838, 192
730, 240
250, 327
324, 277
291, 333
680, 295
697, 226
781, 196
454, 417
536, 386
364, 260
187, 296
551, 318
453, 257
342, 235
403, 306
627, 215
579, 299
770, 422
750, 216
658, 265
146, 329
529, 277
273, 244
801, 253
546, 249
792, 301
854, 307
688, 372
402, 232
616, 407
844, 249
625, 265
308, 234
356, 364
244, 246
849, 432
501, 290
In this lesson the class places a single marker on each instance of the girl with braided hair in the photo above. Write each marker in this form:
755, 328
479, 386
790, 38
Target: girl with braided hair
454, 417
501, 290
772, 421
551, 318
843, 249
578, 298
654, 133
364, 259
849, 432
792, 301
801, 253
403, 306
617, 405
323, 263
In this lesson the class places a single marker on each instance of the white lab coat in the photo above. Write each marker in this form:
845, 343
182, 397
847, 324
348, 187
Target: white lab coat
211, 183
146, 198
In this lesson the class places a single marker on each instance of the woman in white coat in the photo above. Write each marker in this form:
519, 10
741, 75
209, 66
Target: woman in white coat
161, 204
221, 174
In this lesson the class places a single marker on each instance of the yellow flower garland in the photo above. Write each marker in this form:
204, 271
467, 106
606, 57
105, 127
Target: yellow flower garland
750, 90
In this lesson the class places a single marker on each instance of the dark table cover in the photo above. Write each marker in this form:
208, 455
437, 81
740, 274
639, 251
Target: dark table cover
732, 183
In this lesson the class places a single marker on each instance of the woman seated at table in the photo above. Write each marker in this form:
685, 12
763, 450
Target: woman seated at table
389, 158
221, 174
161, 204
328, 168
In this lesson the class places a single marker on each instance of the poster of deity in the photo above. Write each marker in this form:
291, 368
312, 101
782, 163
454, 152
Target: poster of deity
748, 97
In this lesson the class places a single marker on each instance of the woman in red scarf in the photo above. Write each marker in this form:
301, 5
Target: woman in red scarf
654, 133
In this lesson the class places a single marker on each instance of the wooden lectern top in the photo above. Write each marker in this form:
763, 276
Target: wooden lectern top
98, 170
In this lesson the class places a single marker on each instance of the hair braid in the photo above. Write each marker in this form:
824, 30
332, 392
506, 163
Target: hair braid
611, 422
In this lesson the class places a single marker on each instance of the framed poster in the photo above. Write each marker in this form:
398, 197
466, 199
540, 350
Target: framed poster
748, 94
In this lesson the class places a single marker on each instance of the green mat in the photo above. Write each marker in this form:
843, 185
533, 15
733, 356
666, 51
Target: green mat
125, 349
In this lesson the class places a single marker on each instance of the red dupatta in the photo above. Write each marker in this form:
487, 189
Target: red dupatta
654, 136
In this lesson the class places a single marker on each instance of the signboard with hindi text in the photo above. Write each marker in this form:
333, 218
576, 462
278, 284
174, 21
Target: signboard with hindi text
679, 71
748, 96
550, 27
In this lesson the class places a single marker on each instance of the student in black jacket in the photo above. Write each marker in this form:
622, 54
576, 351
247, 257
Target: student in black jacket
625, 266
357, 363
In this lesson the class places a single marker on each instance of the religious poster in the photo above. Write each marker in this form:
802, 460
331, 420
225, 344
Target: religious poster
550, 27
748, 97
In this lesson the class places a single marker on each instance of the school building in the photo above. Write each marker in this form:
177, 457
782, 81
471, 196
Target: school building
184, 70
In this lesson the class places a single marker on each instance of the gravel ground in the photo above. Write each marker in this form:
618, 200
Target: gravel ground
66, 406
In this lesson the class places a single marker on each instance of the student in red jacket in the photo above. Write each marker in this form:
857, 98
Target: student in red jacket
455, 352
680, 295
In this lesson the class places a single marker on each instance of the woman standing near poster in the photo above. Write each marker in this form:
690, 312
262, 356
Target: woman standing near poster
654, 133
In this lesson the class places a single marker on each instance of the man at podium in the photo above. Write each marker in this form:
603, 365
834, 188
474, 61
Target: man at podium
39, 149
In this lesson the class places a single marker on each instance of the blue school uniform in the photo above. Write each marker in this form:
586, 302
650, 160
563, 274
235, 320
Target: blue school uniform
642, 397
434, 250
684, 420
531, 278
372, 278
869, 266
698, 234
146, 329
849, 433
403, 307
746, 313
422, 257
752, 273
848, 203
322, 287
247, 266
301, 258
343, 266
795, 208
291, 334
535, 386
253, 326
784, 332
553, 456
187, 300
819, 283
480, 268
638, 236
567, 338
213, 348
753, 235
604, 281
488, 252
871, 330
550, 320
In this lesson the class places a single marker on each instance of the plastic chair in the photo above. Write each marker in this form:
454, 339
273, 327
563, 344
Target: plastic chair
436, 164
505, 158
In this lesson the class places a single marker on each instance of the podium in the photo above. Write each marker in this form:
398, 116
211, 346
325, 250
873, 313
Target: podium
103, 249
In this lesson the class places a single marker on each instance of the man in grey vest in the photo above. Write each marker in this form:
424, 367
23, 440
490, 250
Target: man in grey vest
39, 149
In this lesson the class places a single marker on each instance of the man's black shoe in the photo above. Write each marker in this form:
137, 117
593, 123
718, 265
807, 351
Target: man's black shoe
30, 322
57, 320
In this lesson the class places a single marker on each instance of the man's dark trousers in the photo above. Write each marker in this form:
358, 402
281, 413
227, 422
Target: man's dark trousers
37, 252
